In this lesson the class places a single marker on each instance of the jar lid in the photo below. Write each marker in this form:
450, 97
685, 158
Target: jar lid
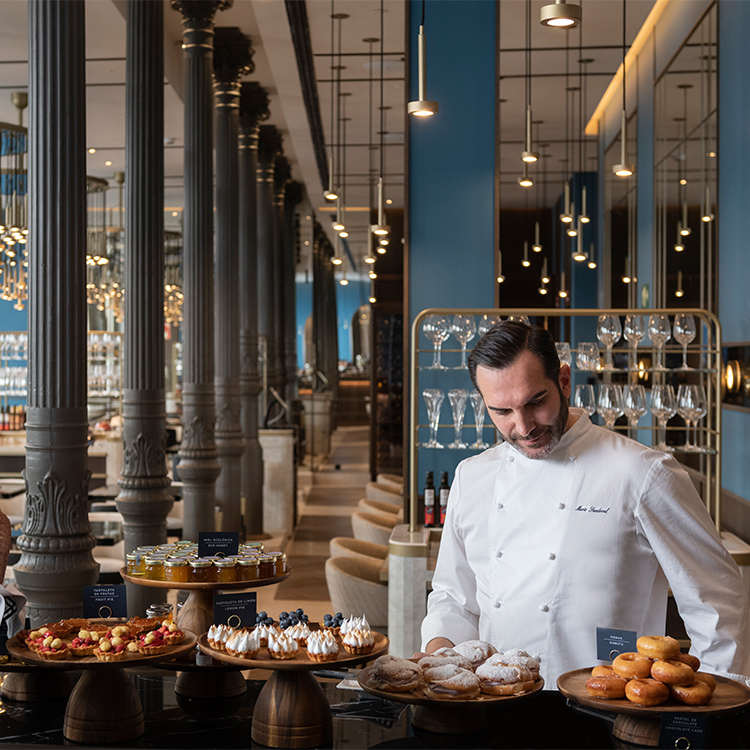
249, 561
146, 548
266, 558
252, 545
154, 559
175, 562
225, 563
200, 563
132, 556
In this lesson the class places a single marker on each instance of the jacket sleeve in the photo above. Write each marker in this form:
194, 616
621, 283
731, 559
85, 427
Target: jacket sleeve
705, 581
452, 610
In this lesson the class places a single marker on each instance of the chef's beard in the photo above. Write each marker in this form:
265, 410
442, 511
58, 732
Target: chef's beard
553, 431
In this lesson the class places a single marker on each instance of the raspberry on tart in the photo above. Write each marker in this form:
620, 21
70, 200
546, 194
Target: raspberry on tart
170, 634
152, 643
83, 644
52, 648
107, 651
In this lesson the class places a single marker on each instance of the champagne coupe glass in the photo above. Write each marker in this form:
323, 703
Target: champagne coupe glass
584, 399
486, 322
437, 330
563, 351
660, 332
587, 357
634, 332
634, 403
477, 403
684, 330
608, 331
463, 328
663, 407
458, 398
609, 403
434, 399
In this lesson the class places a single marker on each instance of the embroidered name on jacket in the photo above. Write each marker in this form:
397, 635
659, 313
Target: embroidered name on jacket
592, 509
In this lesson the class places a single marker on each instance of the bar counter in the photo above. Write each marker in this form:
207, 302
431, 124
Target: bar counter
359, 721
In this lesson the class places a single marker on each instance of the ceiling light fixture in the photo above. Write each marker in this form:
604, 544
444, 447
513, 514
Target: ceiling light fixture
525, 181
536, 247
679, 245
563, 293
560, 15
372, 300
566, 217
525, 262
592, 262
706, 214
679, 292
623, 169
422, 107
584, 218
500, 277
545, 275
381, 228
528, 155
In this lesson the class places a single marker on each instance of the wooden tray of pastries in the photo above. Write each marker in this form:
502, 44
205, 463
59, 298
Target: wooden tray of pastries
67, 631
729, 696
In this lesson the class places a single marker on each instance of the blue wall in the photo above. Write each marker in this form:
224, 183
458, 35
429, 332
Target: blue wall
12, 319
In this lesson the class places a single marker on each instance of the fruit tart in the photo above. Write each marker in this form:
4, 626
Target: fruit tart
34, 639
84, 644
107, 650
139, 625
52, 648
170, 633
152, 643
120, 631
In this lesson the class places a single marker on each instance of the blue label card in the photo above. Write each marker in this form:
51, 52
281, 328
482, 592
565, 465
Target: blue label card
611, 642
236, 610
683, 731
222, 543
105, 601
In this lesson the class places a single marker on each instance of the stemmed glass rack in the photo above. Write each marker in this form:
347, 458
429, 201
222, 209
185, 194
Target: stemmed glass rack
655, 363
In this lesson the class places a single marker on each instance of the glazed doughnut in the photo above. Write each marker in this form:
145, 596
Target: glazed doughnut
429, 662
498, 678
632, 666
521, 658
646, 692
603, 670
672, 672
393, 675
697, 694
692, 661
477, 652
606, 687
450, 682
658, 646
708, 679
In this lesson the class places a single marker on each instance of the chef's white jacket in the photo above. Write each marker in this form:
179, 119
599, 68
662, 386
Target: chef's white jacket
536, 554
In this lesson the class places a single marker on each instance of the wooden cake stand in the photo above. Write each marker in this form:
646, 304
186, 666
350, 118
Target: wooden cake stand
197, 613
104, 707
454, 716
292, 709
24, 681
640, 725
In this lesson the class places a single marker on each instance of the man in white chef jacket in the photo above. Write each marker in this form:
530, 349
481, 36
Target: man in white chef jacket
566, 527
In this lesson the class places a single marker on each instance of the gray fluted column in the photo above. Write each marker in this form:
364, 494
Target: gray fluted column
269, 147
281, 175
232, 58
144, 498
56, 540
198, 467
293, 197
253, 109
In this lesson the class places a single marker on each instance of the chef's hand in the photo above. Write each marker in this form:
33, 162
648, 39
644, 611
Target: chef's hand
433, 646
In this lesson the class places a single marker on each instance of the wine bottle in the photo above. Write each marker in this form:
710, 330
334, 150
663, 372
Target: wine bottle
429, 500
444, 492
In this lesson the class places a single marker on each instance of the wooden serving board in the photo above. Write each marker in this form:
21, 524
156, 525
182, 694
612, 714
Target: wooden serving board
729, 696
204, 586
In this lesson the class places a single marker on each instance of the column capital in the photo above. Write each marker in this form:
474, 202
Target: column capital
294, 193
199, 13
253, 106
233, 57
269, 143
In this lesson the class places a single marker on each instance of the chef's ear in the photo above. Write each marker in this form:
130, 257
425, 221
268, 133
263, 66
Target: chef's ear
563, 379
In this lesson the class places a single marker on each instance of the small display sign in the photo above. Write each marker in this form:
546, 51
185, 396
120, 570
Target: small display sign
611, 642
236, 610
222, 543
683, 731
105, 601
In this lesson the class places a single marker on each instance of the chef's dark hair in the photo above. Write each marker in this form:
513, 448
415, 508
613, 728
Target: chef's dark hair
505, 341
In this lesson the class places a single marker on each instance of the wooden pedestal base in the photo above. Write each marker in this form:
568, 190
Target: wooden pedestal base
292, 711
36, 686
637, 730
197, 613
449, 719
210, 685
104, 708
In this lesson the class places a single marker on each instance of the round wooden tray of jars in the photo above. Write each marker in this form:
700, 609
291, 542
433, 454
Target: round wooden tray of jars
197, 613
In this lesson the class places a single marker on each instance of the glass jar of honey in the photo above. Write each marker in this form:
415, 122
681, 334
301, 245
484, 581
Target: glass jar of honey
154, 568
134, 564
201, 571
266, 566
176, 570
280, 563
248, 569
252, 547
226, 570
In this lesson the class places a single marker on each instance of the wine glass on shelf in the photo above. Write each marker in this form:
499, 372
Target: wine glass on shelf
609, 403
563, 352
477, 403
659, 332
663, 407
437, 330
609, 332
463, 328
587, 356
486, 322
583, 398
691, 406
458, 398
434, 399
683, 331
634, 332
634, 403
700, 410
